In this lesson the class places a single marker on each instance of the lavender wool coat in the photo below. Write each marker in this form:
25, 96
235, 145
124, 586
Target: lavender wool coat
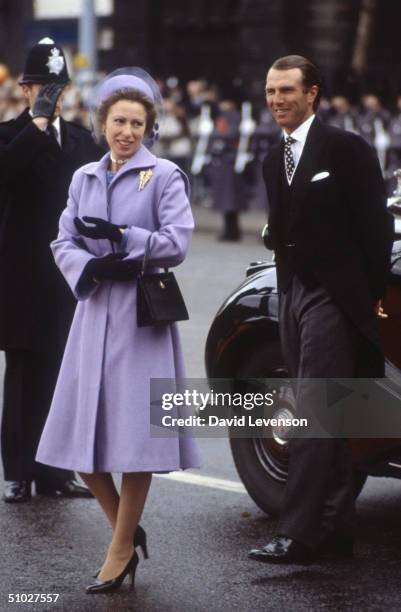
99, 418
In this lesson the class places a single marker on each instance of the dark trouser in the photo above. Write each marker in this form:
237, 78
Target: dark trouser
29, 383
318, 342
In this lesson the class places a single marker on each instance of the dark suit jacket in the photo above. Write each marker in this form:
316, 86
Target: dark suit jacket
36, 305
342, 231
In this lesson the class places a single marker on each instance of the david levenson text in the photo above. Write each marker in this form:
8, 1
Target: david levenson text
242, 421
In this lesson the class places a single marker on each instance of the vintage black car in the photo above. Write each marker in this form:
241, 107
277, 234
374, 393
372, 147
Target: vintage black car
243, 343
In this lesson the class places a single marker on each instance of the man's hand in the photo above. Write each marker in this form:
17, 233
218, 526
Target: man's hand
379, 310
99, 229
111, 267
46, 101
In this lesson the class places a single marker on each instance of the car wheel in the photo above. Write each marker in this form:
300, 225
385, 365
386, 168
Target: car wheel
262, 462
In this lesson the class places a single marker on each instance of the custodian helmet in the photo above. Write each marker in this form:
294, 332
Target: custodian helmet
45, 63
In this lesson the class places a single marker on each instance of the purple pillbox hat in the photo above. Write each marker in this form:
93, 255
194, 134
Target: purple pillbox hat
122, 81
133, 78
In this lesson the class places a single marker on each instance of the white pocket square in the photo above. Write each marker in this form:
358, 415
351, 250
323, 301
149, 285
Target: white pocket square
319, 176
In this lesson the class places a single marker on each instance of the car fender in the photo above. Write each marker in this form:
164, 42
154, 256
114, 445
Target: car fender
248, 318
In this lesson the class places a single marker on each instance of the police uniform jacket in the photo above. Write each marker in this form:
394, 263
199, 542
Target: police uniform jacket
36, 305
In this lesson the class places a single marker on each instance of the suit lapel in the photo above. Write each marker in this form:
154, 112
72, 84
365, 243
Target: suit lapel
308, 166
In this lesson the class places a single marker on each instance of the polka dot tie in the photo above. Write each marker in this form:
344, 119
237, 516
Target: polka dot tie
289, 158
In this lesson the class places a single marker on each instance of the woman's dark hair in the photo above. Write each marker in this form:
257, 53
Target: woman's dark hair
133, 95
310, 73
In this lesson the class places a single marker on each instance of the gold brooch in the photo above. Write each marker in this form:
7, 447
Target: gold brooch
144, 178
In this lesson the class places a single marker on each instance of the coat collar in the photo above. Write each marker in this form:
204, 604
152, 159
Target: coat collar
23, 118
69, 139
310, 155
143, 158
307, 166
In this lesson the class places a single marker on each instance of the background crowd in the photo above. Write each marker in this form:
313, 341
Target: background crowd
222, 148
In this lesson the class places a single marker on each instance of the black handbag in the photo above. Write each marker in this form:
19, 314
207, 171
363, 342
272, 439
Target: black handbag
159, 300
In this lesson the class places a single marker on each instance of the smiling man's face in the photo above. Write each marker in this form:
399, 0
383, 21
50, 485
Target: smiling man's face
289, 101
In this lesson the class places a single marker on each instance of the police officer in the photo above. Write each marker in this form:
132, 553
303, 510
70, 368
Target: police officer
39, 153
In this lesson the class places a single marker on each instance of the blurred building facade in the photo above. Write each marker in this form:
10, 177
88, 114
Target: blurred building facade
229, 42
232, 42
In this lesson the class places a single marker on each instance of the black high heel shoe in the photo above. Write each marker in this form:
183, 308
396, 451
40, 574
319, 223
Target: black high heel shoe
106, 586
139, 542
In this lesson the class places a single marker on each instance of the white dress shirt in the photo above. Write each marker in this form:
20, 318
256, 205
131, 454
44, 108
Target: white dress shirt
299, 135
56, 125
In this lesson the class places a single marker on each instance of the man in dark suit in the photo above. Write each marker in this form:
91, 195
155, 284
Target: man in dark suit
332, 237
39, 153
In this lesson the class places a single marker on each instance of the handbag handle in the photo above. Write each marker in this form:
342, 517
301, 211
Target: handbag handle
146, 255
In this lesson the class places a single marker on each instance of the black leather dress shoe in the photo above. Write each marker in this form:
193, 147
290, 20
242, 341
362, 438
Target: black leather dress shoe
336, 546
17, 491
282, 550
68, 488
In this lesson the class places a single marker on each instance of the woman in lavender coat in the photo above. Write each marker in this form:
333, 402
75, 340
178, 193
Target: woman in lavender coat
99, 421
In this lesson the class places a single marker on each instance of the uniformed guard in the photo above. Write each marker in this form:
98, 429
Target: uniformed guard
227, 187
373, 124
39, 153
344, 115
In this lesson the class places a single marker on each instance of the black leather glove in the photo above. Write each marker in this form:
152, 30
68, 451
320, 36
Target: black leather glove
99, 229
45, 103
111, 267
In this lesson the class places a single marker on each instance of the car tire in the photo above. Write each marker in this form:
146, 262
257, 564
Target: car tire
262, 463
266, 492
